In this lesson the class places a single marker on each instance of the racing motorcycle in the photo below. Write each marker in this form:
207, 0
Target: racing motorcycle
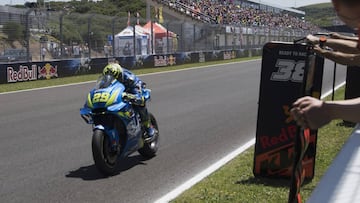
117, 129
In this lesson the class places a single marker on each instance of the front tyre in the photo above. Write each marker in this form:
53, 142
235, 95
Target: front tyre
150, 148
104, 157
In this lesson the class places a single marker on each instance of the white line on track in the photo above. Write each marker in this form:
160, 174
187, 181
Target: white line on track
197, 178
331, 91
192, 181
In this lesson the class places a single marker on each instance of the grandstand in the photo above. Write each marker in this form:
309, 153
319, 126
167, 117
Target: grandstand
230, 23
239, 13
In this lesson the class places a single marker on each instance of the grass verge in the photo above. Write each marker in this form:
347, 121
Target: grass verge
83, 78
235, 182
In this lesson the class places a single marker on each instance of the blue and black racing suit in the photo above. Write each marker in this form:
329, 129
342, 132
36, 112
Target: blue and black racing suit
134, 92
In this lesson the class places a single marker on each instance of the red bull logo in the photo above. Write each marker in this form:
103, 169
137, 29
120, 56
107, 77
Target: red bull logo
164, 60
23, 74
47, 71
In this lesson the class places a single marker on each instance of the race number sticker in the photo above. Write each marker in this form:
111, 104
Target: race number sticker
289, 70
101, 97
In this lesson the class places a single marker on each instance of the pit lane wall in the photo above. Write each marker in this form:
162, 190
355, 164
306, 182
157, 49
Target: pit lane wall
31, 71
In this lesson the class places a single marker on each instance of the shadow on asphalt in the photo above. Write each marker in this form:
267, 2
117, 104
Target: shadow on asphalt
90, 172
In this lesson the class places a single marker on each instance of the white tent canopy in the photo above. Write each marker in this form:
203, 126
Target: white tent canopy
124, 41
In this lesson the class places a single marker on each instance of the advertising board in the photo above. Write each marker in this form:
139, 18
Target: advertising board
282, 74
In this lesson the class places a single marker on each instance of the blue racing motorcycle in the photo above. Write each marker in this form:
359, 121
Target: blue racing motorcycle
117, 129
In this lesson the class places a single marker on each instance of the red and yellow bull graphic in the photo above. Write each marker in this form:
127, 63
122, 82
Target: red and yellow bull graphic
47, 71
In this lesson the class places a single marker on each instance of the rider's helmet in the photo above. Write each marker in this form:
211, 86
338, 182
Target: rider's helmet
113, 69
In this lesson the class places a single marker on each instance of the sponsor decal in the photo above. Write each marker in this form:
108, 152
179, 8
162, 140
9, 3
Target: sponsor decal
23, 74
279, 161
276, 162
172, 60
47, 71
160, 61
229, 55
287, 134
164, 60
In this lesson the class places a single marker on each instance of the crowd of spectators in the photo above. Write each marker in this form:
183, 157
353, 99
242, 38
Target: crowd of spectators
229, 12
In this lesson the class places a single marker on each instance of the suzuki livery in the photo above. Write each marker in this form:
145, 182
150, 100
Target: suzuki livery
117, 130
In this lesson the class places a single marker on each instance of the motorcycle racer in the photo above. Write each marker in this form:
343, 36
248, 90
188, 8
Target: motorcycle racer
133, 92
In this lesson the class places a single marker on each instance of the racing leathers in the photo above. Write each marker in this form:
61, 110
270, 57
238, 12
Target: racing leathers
133, 92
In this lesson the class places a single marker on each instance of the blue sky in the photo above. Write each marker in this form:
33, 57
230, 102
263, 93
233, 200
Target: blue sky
286, 3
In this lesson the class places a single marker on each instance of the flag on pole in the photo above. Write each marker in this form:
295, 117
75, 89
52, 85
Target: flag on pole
137, 18
156, 13
128, 22
161, 18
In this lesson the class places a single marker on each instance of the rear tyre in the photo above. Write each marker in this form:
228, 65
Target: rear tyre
150, 148
104, 157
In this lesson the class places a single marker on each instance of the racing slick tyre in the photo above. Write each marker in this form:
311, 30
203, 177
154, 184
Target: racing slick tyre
104, 157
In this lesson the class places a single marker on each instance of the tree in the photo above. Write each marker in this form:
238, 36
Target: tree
14, 31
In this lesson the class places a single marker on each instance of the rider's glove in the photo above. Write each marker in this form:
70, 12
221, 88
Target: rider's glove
128, 97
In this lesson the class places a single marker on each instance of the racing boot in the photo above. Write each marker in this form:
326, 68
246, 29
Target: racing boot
150, 134
149, 131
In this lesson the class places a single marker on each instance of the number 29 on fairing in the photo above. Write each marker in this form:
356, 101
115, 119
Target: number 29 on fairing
101, 97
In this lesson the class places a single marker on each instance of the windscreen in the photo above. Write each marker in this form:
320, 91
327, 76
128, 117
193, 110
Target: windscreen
104, 81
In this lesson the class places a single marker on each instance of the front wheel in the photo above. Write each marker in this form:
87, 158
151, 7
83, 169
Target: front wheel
150, 148
104, 157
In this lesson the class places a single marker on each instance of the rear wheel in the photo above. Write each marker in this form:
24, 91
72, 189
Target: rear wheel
150, 148
105, 158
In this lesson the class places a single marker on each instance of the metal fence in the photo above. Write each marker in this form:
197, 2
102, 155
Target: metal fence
49, 35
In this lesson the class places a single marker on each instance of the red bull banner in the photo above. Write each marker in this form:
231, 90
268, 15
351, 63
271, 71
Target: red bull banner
46, 70
282, 74
22, 72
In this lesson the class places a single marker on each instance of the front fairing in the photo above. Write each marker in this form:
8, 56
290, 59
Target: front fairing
106, 95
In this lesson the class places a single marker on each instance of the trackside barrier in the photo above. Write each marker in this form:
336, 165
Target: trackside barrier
30, 71
341, 182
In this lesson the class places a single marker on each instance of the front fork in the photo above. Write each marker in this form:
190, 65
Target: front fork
112, 134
